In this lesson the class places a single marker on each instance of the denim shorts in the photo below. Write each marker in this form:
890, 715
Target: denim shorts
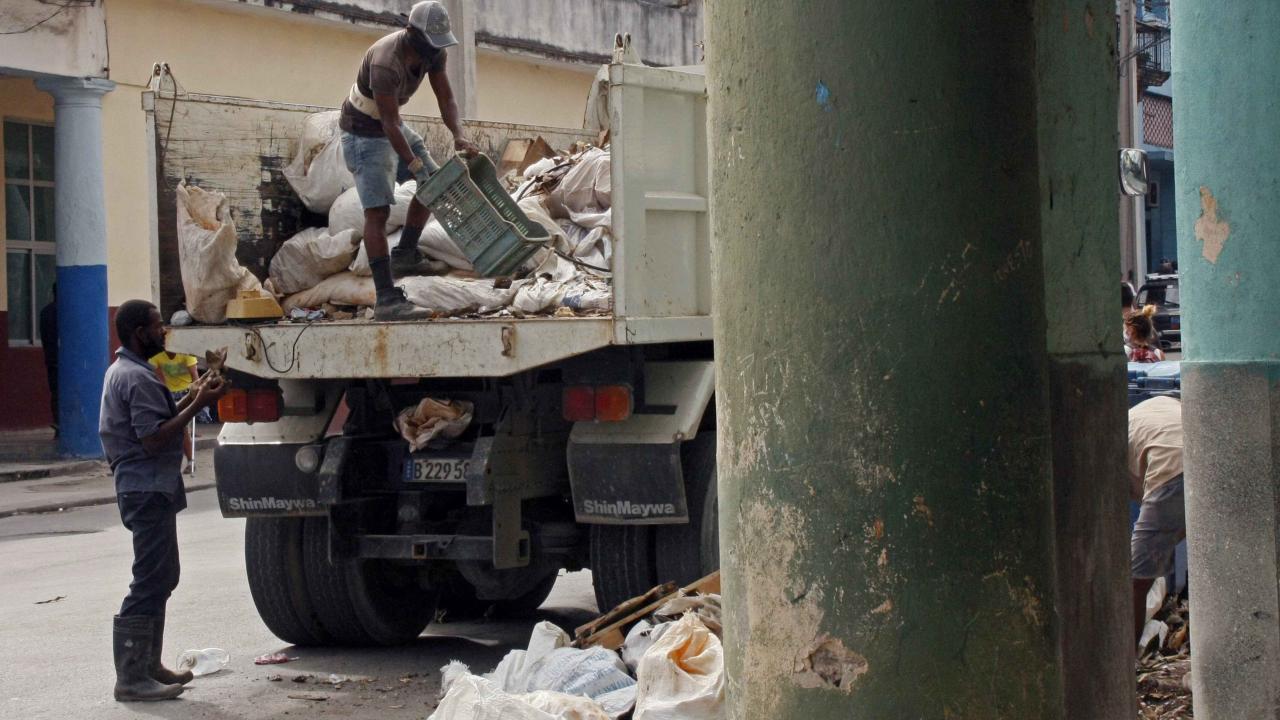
1161, 524
377, 168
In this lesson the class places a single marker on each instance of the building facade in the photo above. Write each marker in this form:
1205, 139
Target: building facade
77, 202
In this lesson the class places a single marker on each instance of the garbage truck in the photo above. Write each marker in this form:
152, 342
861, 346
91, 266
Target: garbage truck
593, 439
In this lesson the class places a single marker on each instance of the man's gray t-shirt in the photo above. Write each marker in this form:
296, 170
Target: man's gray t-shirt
135, 403
384, 72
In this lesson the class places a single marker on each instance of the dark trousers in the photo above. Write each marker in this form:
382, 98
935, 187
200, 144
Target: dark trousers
152, 518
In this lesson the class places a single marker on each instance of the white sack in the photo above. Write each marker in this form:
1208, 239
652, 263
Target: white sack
434, 242
580, 293
318, 173
456, 296
468, 697
211, 275
566, 707
550, 665
587, 187
309, 257
639, 639
681, 676
348, 214
344, 288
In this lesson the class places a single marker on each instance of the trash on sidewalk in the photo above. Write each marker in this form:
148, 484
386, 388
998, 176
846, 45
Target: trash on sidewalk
203, 662
433, 418
51, 600
606, 630
471, 697
273, 659
1164, 663
681, 675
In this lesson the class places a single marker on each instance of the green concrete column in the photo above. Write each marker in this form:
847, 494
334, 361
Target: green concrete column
920, 386
1228, 168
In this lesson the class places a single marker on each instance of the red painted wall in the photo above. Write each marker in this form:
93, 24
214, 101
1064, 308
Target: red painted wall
24, 389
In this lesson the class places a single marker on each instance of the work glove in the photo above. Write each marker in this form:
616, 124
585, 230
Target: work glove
419, 171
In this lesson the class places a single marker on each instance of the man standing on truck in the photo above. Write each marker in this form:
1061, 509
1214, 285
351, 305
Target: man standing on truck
142, 430
380, 149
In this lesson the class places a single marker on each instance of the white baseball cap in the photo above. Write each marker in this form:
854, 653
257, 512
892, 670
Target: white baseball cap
432, 20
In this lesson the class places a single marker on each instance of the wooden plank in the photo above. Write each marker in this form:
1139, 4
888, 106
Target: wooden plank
608, 628
239, 147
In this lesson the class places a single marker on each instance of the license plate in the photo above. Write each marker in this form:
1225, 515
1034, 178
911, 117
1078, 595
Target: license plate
425, 470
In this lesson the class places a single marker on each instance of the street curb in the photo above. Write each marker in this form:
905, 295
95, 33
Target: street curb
86, 502
52, 470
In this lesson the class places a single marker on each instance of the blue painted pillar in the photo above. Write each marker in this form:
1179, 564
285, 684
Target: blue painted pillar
80, 227
1225, 77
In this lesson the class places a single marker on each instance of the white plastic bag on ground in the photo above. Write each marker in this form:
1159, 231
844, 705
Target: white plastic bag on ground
469, 697
681, 676
347, 213
548, 664
433, 418
345, 288
318, 172
309, 257
211, 275
456, 296
639, 639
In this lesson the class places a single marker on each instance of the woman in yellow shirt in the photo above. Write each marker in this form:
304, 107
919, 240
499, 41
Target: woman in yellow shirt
178, 371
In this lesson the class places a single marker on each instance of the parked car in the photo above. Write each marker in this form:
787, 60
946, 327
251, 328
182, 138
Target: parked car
1162, 291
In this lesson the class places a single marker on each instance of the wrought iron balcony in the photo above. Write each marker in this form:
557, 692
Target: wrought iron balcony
1152, 52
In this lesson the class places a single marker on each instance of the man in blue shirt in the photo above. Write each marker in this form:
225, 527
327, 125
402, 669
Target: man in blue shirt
142, 429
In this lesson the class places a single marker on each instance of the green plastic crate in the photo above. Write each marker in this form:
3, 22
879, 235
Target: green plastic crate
490, 229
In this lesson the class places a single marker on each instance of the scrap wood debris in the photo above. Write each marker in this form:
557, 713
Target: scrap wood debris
1164, 666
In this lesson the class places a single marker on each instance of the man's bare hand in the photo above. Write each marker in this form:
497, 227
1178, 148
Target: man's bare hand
466, 147
210, 391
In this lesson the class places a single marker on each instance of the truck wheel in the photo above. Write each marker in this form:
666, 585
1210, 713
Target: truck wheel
685, 553
621, 563
273, 564
458, 600
362, 602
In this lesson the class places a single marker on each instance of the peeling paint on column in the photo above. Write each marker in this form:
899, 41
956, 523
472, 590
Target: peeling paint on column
1210, 229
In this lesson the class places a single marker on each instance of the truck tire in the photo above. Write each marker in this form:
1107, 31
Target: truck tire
460, 603
629, 560
362, 602
273, 564
621, 563
685, 553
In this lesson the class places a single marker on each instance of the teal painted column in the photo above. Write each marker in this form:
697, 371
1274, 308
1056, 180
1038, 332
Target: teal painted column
1226, 122
920, 392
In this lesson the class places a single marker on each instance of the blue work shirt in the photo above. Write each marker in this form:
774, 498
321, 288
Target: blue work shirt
135, 403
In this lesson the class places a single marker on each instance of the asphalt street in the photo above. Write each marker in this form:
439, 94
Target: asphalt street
64, 575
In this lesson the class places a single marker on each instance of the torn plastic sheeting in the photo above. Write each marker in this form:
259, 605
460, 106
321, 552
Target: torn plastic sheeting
681, 675
211, 275
318, 172
309, 257
548, 664
471, 697
431, 419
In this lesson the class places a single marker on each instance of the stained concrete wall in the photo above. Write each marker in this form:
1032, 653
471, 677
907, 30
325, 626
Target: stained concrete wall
52, 38
665, 33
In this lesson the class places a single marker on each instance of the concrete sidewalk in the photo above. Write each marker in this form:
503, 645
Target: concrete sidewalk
95, 487
33, 454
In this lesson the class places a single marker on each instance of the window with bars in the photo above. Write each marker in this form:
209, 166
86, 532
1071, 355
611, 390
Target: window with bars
28, 226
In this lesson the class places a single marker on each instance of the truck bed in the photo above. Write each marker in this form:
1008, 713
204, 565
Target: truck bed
661, 262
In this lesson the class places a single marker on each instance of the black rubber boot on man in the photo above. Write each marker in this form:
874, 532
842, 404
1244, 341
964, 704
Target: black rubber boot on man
132, 638
393, 305
410, 261
159, 672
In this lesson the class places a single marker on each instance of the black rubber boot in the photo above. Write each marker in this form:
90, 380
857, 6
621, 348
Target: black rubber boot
131, 643
159, 672
393, 305
410, 261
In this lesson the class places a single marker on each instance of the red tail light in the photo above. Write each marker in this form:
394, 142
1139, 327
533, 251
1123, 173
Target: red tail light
250, 406
606, 403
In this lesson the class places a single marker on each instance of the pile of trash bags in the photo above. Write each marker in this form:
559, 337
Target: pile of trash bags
671, 667
324, 271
